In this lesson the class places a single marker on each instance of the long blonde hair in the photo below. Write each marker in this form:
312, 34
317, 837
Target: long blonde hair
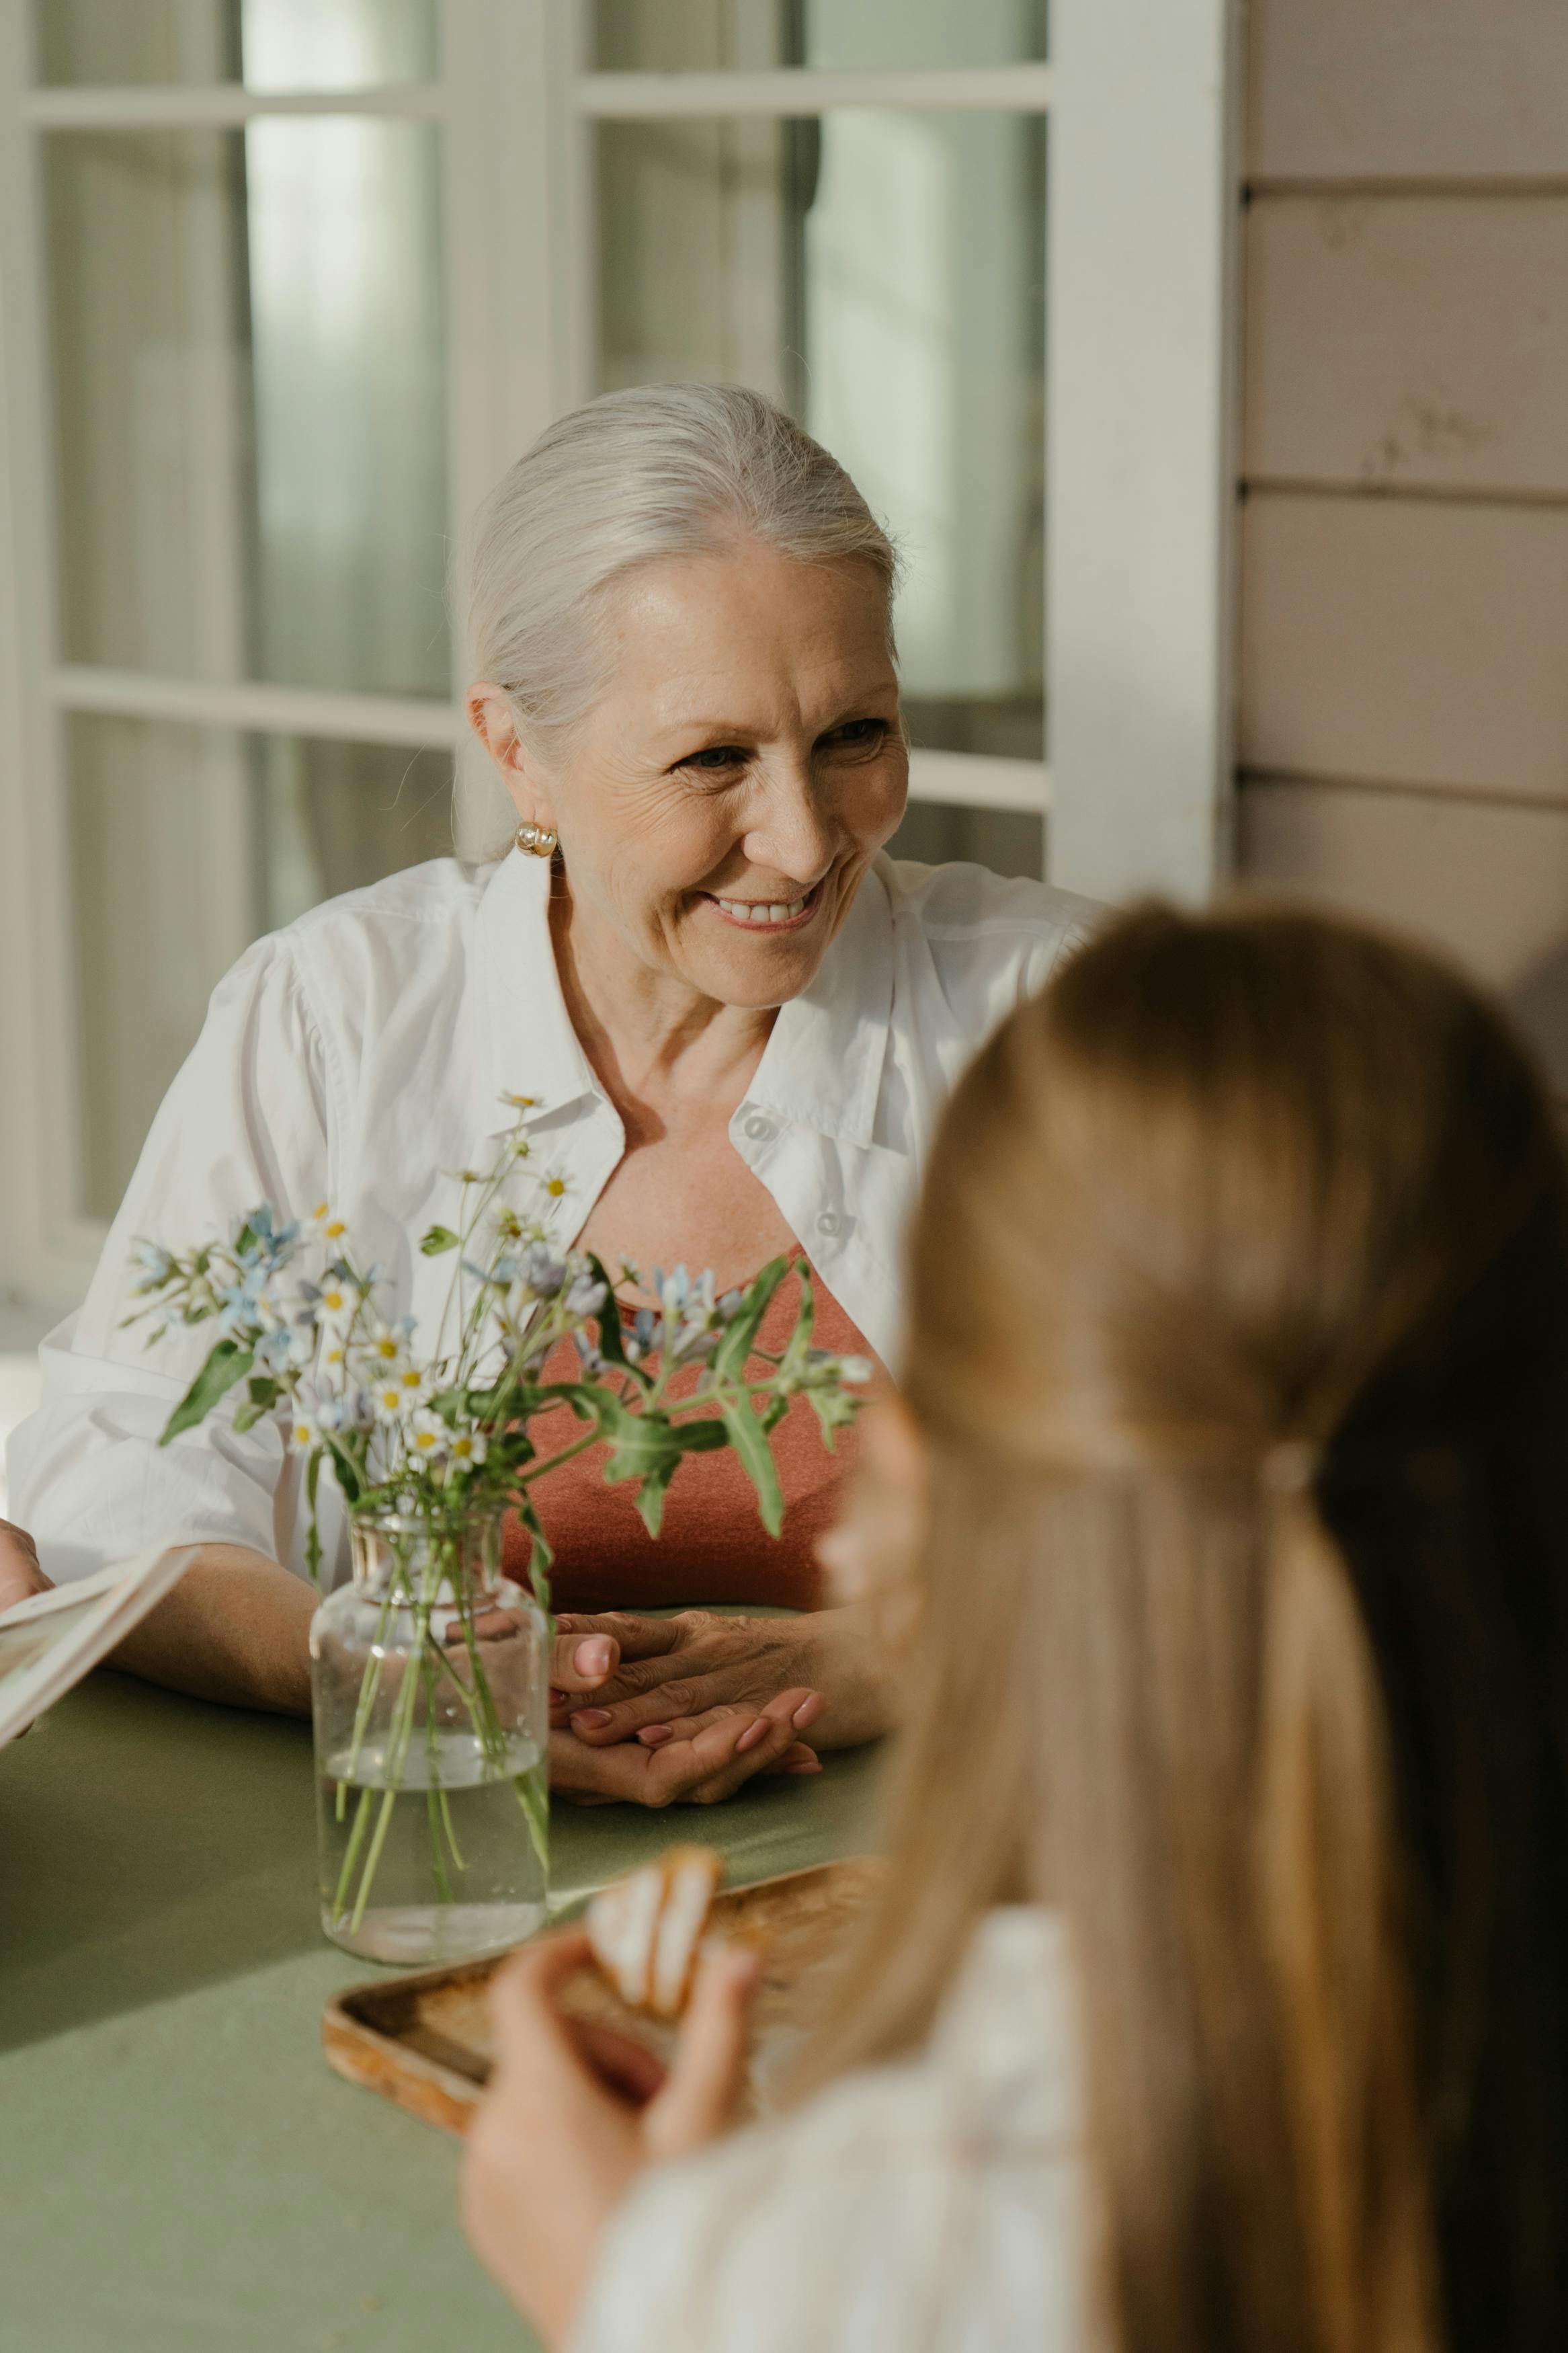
1239, 1344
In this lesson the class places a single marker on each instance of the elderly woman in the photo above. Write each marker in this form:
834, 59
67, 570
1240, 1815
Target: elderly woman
740, 1022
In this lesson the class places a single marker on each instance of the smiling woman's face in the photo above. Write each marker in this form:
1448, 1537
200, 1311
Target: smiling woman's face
719, 806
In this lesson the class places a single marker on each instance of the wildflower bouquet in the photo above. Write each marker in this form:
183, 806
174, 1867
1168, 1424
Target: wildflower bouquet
433, 1447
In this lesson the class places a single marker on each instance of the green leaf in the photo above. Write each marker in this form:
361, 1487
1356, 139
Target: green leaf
800, 1338
650, 1497
730, 1357
750, 1442
228, 1363
312, 1533
541, 1555
640, 1444
436, 1240
612, 1339
262, 1394
704, 1437
348, 1478
834, 1410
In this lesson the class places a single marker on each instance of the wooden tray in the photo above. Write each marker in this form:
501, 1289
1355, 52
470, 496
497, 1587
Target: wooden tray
425, 2041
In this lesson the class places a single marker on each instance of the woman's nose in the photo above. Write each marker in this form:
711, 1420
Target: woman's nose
794, 834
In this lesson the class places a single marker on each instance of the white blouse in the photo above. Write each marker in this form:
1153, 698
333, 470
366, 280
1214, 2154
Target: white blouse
361, 1057
935, 2206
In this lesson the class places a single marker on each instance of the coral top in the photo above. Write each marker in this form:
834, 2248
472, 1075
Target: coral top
712, 1545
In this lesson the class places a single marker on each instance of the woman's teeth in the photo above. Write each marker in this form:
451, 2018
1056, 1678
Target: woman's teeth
760, 911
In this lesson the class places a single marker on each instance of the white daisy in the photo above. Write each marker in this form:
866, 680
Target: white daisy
387, 1400
426, 1438
336, 1302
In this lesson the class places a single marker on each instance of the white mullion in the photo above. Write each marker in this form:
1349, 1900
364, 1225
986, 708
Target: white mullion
1141, 218
519, 303
977, 780
37, 1056
256, 705
218, 106
785, 91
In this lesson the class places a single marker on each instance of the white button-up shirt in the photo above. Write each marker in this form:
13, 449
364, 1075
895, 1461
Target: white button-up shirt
361, 1057
934, 2206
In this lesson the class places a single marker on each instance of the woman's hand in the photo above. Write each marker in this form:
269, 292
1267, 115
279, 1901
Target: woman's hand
696, 1763
20, 1572
675, 1672
575, 2114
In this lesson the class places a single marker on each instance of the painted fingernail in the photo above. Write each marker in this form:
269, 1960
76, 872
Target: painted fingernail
557, 1698
593, 1657
751, 1734
807, 1710
592, 1719
806, 1764
654, 1736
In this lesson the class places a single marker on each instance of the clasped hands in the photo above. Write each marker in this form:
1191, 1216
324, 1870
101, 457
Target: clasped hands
661, 1711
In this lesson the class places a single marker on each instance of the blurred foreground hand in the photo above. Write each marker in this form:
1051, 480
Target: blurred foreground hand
576, 2113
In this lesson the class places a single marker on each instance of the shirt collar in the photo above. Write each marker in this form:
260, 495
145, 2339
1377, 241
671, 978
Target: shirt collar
530, 1045
823, 1064
821, 1067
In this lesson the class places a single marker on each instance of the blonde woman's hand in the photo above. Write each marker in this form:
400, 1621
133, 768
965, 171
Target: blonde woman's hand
20, 1572
575, 2114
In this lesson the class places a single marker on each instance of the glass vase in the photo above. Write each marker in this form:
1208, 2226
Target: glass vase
430, 1692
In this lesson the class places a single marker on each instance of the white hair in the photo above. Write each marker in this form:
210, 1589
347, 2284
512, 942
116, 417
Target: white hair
661, 469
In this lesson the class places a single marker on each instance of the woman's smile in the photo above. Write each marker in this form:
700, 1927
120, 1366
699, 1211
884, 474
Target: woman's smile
771, 915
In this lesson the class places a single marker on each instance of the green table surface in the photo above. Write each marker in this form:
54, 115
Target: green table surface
179, 2169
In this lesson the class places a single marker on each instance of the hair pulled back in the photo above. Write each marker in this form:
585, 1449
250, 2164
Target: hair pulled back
661, 469
1240, 1344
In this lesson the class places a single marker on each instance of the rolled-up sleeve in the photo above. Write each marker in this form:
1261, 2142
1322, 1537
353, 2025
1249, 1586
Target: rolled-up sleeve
245, 1121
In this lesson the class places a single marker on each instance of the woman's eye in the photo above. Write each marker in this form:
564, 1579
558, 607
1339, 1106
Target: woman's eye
856, 735
717, 757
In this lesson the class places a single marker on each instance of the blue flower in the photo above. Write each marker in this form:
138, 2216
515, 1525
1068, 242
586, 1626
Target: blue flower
154, 1264
586, 1296
543, 1270
283, 1347
648, 1331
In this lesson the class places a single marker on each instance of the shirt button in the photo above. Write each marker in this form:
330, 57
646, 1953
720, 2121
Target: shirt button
829, 1223
759, 1130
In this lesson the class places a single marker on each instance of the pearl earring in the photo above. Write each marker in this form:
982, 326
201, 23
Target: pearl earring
537, 840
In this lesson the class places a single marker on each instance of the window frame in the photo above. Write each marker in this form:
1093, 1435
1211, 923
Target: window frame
1140, 96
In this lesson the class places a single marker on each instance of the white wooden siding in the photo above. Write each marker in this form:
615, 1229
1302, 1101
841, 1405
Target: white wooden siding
1420, 90
1490, 882
1407, 642
1409, 342
1402, 727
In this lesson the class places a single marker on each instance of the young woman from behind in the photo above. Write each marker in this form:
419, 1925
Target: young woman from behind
1218, 2002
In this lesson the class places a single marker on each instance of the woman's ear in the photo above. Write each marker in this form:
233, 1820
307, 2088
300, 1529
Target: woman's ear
491, 717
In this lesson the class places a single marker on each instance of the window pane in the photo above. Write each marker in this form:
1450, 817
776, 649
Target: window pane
186, 844
695, 36
1009, 841
268, 43
250, 431
881, 274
